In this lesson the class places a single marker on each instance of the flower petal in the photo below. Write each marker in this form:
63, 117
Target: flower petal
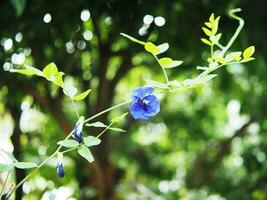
142, 92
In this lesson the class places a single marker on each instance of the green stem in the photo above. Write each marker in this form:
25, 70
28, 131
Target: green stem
107, 110
241, 24
209, 70
39, 166
4, 185
59, 148
68, 150
164, 71
75, 107
104, 130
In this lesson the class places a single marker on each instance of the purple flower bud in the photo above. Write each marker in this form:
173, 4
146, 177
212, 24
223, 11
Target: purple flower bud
78, 130
60, 167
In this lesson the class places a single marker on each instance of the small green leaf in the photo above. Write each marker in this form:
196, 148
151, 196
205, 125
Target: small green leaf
25, 165
68, 143
175, 63
82, 96
206, 31
119, 118
58, 80
219, 59
162, 48
4, 167
233, 56
247, 59
91, 141
86, 153
157, 84
132, 38
117, 129
208, 24
211, 19
50, 70
22, 71
215, 26
248, 52
165, 61
202, 68
97, 124
150, 47
205, 41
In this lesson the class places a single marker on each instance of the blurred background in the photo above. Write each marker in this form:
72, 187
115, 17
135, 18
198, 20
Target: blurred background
208, 143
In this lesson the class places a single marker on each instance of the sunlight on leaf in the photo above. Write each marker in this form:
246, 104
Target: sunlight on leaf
151, 48
91, 141
68, 143
25, 165
86, 153
82, 96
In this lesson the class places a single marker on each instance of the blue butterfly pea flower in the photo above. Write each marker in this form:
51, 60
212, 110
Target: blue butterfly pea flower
144, 103
78, 130
60, 167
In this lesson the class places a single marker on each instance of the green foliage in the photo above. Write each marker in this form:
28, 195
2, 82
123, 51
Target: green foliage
91, 141
25, 165
160, 156
68, 143
85, 153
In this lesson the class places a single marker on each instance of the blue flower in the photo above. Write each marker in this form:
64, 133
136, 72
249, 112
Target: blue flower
60, 167
144, 103
78, 130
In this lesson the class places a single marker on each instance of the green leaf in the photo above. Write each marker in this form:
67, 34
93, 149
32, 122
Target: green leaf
247, 59
119, 118
82, 96
206, 31
169, 63
165, 61
150, 47
132, 39
211, 18
175, 63
19, 6
202, 68
157, 84
25, 165
219, 59
248, 52
22, 71
91, 141
101, 125
97, 124
86, 153
58, 80
208, 24
205, 41
233, 56
117, 129
4, 167
50, 70
69, 90
162, 48
68, 143
215, 26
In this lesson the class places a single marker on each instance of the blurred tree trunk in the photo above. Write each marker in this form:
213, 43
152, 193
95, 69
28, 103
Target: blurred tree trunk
15, 138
